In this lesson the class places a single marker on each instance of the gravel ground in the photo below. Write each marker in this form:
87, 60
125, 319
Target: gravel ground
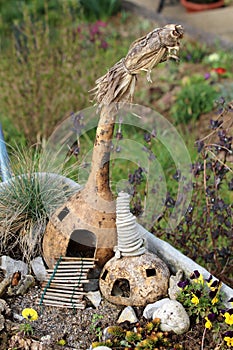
53, 324
77, 327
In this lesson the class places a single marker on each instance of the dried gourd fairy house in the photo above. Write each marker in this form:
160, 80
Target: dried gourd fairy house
85, 226
134, 276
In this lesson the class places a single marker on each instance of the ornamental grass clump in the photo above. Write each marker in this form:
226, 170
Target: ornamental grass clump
203, 300
28, 199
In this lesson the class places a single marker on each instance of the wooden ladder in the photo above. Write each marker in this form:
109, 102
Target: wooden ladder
64, 284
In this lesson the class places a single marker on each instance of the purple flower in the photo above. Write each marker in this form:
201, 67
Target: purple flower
147, 137
228, 334
213, 293
208, 280
195, 274
119, 135
212, 316
183, 284
104, 44
207, 76
198, 293
101, 24
94, 29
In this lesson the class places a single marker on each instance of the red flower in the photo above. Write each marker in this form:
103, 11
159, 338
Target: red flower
219, 70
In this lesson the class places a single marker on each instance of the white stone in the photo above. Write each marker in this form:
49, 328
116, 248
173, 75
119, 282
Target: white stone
173, 289
11, 266
17, 317
94, 297
39, 269
46, 339
150, 308
102, 348
128, 314
173, 317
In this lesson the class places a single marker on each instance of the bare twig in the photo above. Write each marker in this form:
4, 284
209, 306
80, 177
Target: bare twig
203, 339
224, 164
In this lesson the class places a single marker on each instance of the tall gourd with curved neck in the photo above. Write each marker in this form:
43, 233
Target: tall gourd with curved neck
89, 216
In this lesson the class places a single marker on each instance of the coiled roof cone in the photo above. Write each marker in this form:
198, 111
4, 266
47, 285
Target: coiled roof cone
129, 241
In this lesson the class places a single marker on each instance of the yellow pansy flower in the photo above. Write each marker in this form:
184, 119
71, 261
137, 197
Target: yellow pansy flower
214, 300
208, 324
229, 341
197, 277
228, 318
200, 279
194, 299
30, 314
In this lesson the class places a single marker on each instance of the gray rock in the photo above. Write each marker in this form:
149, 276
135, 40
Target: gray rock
2, 322
3, 308
173, 289
4, 285
94, 297
39, 269
11, 266
18, 317
128, 314
24, 284
36, 345
91, 286
173, 317
106, 334
150, 308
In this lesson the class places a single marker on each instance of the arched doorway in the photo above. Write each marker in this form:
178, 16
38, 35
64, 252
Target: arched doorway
82, 244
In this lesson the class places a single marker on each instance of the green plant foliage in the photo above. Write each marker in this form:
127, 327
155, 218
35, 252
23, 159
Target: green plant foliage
200, 297
194, 51
220, 61
11, 132
95, 326
196, 96
42, 80
12, 12
99, 9
203, 300
47, 72
204, 234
